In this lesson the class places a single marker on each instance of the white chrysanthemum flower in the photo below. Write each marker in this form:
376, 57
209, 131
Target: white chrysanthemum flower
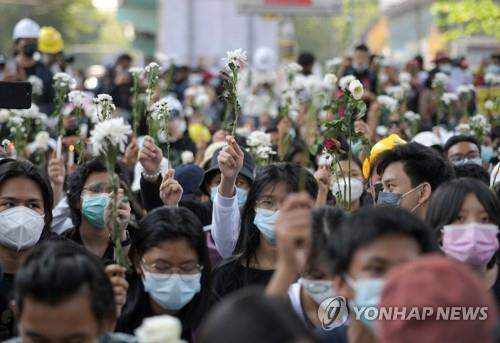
152, 67
292, 69
480, 122
161, 110
388, 102
36, 84
325, 159
77, 98
4, 115
313, 84
404, 77
464, 89
42, 140
31, 113
463, 129
489, 104
448, 98
136, 71
16, 121
103, 98
264, 152
345, 81
111, 132
330, 80
63, 80
356, 89
396, 92
159, 329
440, 79
258, 138
300, 82
333, 63
412, 116
236, 57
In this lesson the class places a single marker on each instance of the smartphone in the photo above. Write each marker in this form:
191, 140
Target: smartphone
15, 94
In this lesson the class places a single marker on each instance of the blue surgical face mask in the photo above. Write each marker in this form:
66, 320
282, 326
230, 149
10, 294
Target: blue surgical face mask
241, 195
486, 153
93, 207
367, 294
476, 161
172, 291
265, 221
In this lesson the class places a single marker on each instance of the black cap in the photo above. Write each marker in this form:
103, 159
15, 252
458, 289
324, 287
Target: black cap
247, 170
189, 176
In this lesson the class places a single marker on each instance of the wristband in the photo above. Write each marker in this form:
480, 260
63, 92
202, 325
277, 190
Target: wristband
151, 177
126, 242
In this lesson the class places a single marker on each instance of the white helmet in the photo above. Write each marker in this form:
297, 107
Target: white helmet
26, 28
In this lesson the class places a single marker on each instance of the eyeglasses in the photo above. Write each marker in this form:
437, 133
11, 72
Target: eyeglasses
167, 270
460, 157
99, 188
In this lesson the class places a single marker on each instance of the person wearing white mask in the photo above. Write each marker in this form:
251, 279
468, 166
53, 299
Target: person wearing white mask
366, 247
255, 253
25, 218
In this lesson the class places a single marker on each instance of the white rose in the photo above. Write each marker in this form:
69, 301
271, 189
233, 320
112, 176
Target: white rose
345, 81
159, 329
258, 138
356, 89
330, 80
42, 140
187, 157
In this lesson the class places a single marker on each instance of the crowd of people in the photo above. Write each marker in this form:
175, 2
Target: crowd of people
374, 186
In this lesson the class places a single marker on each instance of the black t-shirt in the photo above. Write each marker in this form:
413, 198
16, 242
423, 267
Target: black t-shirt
231, 276
74, 235
7, 322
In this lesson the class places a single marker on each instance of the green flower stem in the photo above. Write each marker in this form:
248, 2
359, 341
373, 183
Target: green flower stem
135, 106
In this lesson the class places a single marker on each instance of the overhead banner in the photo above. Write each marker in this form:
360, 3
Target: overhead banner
290, 7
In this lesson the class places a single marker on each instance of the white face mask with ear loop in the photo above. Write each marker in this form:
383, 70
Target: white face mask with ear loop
20, 227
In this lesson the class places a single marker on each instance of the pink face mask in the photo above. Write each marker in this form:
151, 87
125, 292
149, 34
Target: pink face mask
472, 243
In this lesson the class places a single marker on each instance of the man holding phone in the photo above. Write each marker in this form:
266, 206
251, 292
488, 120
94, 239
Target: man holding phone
25, 63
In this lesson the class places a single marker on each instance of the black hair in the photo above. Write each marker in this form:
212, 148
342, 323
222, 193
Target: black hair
306, 59
170, 224
361, 47
368, 224
300, 147
474, 171
459, 139
235, 319
56, 271
10, 168
325, 222
123, 57
272, 174
77, 180
421, 164
447, 201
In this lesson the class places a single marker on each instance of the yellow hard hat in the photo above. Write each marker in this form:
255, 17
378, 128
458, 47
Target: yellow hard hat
199, 133
50, 40
387, 143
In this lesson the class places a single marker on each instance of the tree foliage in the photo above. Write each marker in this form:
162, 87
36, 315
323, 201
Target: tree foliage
468, 17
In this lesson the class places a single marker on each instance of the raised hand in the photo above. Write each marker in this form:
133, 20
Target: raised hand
230, 162
150, 156
116, 275
123, 213
131, 154
170, 189
57, 174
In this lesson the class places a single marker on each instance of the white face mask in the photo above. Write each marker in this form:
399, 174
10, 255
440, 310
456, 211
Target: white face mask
319, 290
342, 186
20, 228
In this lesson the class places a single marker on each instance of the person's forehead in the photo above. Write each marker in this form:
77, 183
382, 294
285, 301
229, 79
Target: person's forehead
462, 147
395, 171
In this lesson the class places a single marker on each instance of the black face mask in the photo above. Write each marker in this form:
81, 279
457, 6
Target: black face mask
29, 49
